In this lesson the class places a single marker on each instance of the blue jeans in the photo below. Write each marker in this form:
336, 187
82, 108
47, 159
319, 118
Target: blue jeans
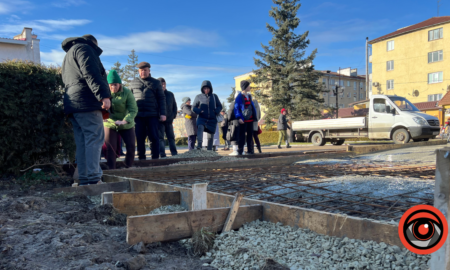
89, 137
147, 126
167, 128
191, 141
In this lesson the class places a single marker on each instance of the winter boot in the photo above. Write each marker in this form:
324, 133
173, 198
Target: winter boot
259, 149
279, 146
288, 146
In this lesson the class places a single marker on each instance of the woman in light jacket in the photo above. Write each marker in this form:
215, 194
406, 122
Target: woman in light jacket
190, 122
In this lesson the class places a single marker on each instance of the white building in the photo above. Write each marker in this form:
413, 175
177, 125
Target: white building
23, 47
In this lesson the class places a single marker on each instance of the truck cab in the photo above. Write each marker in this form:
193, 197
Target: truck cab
396, 118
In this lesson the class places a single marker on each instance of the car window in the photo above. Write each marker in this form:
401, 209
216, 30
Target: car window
379, 105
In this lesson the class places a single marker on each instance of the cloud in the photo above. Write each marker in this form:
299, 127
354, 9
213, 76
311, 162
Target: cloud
10, 6
53, 58
68, 3
156, 41
42, 25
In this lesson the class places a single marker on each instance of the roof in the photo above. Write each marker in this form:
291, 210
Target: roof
445, 100
342, 75
429, 105
425, 24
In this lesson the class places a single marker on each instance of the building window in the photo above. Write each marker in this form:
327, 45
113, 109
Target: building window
332, 82
349, 95
342, 83
436, 77
354, 99
361, 85
332, 94
435, 56
390, 45
341, 106
355, 85
349, 83
362, 96
435, 34
390, 65
435, 97
390, 84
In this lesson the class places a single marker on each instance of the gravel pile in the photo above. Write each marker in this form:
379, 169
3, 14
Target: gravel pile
194, 154
301, 249
168, 209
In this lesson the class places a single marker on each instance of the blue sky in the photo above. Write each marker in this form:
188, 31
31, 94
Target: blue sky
190, 41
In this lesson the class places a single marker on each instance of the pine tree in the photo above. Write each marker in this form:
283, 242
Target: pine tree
120, 71
224, 106
130, 71
286, 76
231, 97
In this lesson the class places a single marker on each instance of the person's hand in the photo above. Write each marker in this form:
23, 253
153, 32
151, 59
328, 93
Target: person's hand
105, 120
119, 123
241, 121
162, 118
106, 103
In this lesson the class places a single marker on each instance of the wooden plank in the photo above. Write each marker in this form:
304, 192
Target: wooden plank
93, 190
176, 226
141, 203
233, 211
199, 200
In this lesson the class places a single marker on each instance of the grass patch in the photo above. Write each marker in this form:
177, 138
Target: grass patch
202, 241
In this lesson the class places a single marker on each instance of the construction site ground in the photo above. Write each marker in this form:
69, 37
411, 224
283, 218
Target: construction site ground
43, 230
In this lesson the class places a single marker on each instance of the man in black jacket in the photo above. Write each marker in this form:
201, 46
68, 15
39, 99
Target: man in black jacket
86, 95
166, 127
151, 103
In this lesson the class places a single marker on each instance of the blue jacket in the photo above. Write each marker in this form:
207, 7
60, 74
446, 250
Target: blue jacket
239, 107
207, 107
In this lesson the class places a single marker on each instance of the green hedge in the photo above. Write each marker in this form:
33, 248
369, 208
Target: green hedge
266, 137
33, 127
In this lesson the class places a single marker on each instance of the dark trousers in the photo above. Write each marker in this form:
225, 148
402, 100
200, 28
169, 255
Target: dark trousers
167, 129
147, 126
256, 138
111, 137
191, 141
246, 135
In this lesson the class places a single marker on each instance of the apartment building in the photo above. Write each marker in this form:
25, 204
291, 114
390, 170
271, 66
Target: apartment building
412, 62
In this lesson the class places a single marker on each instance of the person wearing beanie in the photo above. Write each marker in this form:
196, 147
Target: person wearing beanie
86, 97
245, 112
282, 127
190, 122
120, 124
166, 127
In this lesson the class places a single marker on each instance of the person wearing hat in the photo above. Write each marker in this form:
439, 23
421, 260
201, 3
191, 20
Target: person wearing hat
245, 112
151, 103
120, 122
166, 127
86, 96
282, 127
207, 106
190, 122
224, 127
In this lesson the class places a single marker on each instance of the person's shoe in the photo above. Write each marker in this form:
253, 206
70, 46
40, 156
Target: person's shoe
234, 153
279, 146
288, 146
259, 149
163, 156
199, 148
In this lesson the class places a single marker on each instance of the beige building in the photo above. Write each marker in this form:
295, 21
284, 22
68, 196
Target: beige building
23, 47
352, 87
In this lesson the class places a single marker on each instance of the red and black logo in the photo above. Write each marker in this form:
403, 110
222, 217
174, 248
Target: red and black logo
423, 229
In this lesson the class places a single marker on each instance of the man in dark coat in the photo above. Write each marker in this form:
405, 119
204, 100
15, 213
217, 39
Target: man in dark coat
151, 103
166, 127
86, 95
224, 127
282, 127
233, 129
207, 106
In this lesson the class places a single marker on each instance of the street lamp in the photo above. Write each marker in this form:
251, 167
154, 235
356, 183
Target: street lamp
336, 93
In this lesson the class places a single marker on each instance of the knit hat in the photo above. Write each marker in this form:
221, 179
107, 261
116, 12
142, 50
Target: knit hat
113, 77
283, 110
161, 79
244, 85
186, 99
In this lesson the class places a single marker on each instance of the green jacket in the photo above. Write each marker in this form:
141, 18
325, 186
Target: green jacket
124, 108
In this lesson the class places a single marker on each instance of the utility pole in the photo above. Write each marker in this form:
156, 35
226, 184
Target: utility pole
438, 6
336, 93
367, 67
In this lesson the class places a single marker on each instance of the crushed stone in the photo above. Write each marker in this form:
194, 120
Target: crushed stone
195, 154
223, 159
168, 209
299, 249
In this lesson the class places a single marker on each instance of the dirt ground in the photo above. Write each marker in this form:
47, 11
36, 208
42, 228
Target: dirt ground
41, 230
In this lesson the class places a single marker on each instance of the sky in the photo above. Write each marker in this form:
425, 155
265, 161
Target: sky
187, 42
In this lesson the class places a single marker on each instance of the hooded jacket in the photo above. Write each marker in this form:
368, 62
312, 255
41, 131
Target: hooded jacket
150, 97
189, 123
207, 107
84, 76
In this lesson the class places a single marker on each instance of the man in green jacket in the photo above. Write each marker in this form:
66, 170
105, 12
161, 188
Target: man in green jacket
121, 121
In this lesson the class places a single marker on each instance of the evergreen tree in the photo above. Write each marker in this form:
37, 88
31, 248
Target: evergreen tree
117, 67
224, 106
131, 71
231, 97
286, 76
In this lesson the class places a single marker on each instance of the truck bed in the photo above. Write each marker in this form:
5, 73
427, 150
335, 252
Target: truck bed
340, 123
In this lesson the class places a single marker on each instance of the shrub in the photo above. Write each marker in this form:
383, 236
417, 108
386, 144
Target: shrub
33, 127
266, 137
181, 141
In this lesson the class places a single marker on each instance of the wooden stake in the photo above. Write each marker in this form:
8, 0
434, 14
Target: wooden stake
233, 212
199, 198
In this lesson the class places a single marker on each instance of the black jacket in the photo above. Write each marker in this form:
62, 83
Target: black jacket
233, 125
150, 97
207, 107
171, 106
84, 76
